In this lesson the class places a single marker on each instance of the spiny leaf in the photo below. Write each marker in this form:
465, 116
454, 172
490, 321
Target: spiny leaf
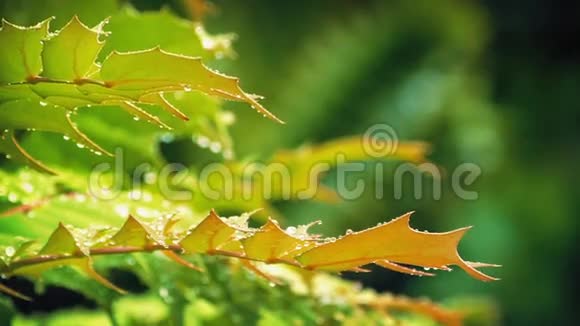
20, 51
71, 53
33, 114
211, 235
153, 70
43, 84
12, 149
132, 234
272, 244
163, 29
394, 242
385, 245
63, 244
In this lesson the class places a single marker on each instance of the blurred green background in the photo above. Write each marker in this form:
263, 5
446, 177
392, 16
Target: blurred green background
485, 82
494, 83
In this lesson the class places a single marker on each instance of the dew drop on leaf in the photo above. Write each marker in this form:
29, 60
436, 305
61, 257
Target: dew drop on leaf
167, 137
215, 147
12, 197
203, 141
27, 187
9, 251
291, 230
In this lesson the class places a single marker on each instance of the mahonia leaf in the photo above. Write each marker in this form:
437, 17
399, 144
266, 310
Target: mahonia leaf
386, 245
71, 53
132, 234
163, 29
393, 242
46, 78
38, 115
140, 71
271, 244
63, 243
20, 51
211, 235
12, 149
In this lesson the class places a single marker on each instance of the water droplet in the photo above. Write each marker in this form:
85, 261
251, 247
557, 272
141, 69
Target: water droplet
165, 295
215, 147
228, 154
167, 137
349, 231
228, 118
135, 194
8, 156
203, 141
43, 103
136, 118
65, 137
10, 251
79, 145
150, 177
12, 197
291, 230
122, 210
27, 187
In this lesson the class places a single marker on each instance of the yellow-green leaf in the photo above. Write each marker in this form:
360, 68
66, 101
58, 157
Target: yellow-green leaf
20, 51
396, 242
71, 53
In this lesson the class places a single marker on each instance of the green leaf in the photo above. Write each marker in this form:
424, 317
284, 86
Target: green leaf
20, 52
136, 82
154, 69
163, 29
232, 238
32, 114
61, 242
71, 53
